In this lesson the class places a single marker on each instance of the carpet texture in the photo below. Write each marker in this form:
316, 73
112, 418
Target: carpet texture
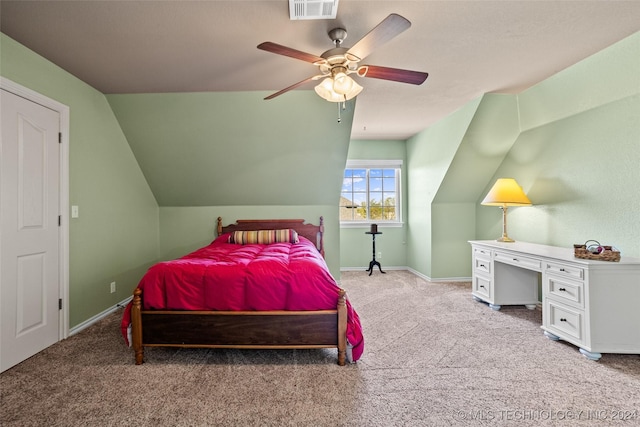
433, 357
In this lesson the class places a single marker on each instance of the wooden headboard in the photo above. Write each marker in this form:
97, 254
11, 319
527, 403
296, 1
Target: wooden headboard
314, 233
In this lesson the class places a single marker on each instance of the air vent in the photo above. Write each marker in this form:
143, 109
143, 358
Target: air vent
313, 9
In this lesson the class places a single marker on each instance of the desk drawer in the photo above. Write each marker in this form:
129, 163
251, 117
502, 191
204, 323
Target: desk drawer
482, 286
565, 271
565, 291
482, 253
564, 321
518, 260
482, 265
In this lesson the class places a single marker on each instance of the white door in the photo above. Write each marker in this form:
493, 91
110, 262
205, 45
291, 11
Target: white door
29, 228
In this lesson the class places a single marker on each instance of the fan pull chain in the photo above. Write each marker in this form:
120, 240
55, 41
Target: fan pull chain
344, 107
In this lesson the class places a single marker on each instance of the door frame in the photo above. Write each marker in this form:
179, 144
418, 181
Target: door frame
63, 230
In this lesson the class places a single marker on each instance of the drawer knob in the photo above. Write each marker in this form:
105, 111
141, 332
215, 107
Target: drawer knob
562, 319
482, 286
562, 289
482, 265
562, 269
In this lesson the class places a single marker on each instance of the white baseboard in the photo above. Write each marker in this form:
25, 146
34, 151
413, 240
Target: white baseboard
99, 316
422, 276
411, 270
365, 268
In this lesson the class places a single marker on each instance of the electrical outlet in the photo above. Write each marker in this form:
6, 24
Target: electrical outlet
113, 287
379, 255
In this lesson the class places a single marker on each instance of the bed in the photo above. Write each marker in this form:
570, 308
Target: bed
261, 284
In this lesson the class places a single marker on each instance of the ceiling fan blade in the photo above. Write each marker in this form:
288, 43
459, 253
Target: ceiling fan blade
293, 86
390, 27
394, 74
287, 51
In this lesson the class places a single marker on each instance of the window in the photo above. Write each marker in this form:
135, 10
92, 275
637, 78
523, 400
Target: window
370, 192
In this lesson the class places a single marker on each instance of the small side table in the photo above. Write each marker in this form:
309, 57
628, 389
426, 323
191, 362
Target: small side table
374, 262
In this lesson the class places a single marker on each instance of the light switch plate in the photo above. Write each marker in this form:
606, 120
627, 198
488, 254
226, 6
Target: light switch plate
74, 211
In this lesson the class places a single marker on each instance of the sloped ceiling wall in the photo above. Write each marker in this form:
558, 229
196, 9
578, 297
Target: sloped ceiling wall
489, 137
235, 149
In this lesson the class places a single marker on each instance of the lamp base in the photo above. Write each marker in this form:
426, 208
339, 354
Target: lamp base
505, 238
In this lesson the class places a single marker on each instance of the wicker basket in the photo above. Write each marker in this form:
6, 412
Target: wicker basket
607, 253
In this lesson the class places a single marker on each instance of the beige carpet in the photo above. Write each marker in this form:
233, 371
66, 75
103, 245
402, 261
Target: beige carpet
433, 357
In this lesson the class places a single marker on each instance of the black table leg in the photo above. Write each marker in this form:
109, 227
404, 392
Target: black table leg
373, 262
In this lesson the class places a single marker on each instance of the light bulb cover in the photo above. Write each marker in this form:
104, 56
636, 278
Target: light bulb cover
325, 90
342, 83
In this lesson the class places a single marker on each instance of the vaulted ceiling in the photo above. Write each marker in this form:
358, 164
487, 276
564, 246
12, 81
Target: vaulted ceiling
468, 48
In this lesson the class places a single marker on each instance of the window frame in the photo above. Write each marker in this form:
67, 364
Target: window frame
377, 164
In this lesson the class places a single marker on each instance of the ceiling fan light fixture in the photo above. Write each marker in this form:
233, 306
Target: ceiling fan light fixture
327, 90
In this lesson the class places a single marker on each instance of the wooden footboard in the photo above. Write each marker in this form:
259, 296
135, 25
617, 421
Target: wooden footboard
239, 329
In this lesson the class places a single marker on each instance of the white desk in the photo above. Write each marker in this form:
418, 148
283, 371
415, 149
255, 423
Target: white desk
594, 305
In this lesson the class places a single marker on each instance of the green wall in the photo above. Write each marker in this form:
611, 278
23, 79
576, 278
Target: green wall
429, 157
355, 246
578, 155
235, 148
116, 235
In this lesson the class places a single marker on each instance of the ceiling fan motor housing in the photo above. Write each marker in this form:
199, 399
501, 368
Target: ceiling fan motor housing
338, 35
338, 56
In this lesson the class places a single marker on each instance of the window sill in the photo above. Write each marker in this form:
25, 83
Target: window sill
368, 224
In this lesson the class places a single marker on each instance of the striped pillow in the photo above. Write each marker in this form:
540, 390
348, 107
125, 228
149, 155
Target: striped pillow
264, 237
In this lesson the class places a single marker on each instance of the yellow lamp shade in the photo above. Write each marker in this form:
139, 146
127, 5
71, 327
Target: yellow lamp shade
506, 192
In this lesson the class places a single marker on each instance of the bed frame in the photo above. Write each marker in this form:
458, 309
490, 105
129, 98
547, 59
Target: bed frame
244, 329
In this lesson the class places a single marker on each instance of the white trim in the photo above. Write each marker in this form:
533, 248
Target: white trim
422, 276
63, 110
411, 270
440, 279
355, 163
84, 325
364, 269
367, 224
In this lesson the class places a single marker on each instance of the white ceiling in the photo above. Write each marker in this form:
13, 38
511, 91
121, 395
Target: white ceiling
467, 47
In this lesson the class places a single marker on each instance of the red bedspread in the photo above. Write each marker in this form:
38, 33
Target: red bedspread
226, 276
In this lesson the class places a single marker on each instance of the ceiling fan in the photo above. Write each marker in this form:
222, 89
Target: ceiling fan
335, 65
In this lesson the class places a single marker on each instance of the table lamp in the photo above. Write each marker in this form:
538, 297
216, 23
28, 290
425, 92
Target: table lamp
504, 193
